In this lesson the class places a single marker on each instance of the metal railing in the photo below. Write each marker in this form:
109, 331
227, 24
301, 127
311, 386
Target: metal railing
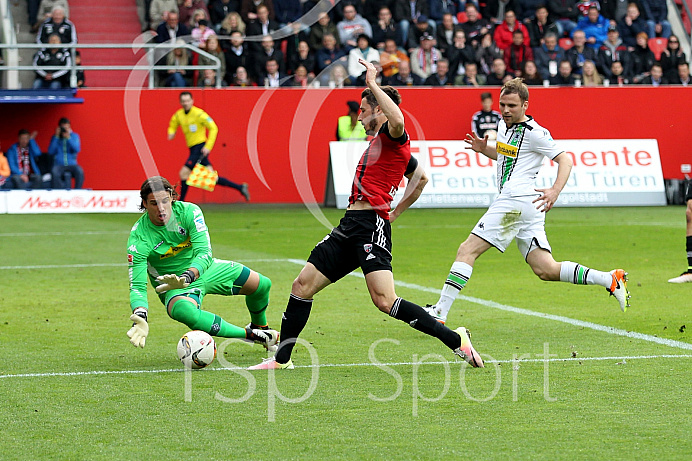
9, 37
154, 52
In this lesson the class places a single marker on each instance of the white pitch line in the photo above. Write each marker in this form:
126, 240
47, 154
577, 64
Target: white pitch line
65, 266
343, 365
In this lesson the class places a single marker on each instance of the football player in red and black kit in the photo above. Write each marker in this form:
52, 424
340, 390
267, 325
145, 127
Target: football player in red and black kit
363, 237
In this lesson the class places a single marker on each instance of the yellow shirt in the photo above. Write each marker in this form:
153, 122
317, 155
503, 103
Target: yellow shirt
194, 125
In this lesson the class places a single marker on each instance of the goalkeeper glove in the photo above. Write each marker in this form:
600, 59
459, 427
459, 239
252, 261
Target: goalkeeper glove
140, 328
173, 282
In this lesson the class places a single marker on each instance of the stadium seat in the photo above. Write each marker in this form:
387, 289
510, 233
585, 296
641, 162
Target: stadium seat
657, 45
565, 43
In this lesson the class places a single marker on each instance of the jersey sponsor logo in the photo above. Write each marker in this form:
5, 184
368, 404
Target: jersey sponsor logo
172, 251
130, 260
506, 150
199, 224
367, 247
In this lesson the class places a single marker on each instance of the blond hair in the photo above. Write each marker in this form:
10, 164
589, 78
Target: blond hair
518, 87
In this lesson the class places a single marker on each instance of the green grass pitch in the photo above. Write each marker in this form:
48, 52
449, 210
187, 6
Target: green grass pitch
85, 393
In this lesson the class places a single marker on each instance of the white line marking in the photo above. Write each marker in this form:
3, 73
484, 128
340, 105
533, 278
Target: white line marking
344, 365
65, 266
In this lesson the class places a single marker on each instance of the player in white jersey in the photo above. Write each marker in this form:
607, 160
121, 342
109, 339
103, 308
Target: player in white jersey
519, 210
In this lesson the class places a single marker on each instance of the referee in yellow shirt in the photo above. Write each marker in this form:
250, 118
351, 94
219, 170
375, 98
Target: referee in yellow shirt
195, 123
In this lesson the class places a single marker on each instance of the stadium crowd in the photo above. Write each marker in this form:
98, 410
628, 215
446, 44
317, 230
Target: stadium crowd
419, 42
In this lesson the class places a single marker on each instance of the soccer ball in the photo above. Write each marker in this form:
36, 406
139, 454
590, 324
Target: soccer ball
196, 349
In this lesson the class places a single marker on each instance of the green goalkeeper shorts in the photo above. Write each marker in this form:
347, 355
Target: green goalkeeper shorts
222, 278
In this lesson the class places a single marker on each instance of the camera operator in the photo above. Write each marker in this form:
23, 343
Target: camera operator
64, 147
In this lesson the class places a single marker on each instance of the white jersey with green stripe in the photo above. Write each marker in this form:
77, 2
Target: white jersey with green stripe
520, 151
170, 249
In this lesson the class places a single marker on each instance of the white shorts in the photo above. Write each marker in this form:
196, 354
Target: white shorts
513, 217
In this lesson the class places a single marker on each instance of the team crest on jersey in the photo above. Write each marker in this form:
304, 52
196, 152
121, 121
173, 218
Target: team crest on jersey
367, 247
181, 230
506, 150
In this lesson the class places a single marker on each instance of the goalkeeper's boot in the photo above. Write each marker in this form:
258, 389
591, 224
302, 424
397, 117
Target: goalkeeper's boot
466, 350
619, 288
271, 364
682, 278
267, 338
252, 326
434, 312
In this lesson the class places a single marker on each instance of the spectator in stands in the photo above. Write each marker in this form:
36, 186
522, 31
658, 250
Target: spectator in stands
631, 25
580, 53
241, 78
408, 13
329, 53
614, 10
170, 30
618, 76
445, 34
370, 9
178, 57
517, 53
208, 79
672, 56
391, 57
338, 76
267, 52
422, 27
384, 29
45, 10
5, 172
530, 73
348, 126
656, 15
248, 9
363, 50
655, 77
22, 158
404, 77
683, 75
220, 9
424, 58
494, 11
81, 82
459, 54
566, 15
187, 10
231, 23
299, 33
262, 25
595, 28
201, 34
499, 74
441, 75
548, 56
613, 49
323, 27
642, 58
57, 24
503, 32
300, 78
214, 49
564, 76
272, 76
474, 27
539, 25
303, 57
351, 27
527, 10
439, 8
238, 55
159, 10
64, 147
486, 53
471, 76
590, 75
583, 6
287, 11
52, 66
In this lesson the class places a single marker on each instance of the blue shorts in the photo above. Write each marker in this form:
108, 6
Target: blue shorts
195, 155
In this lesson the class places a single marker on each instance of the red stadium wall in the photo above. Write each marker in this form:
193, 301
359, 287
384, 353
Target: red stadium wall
292, 128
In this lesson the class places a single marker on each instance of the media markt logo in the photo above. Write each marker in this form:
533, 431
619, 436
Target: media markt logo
93, 202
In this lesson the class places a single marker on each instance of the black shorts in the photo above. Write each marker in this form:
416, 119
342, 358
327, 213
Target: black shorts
195, 154
362, 239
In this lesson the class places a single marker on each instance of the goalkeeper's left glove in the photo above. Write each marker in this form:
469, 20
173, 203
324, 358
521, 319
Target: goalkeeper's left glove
140, 328
173, 282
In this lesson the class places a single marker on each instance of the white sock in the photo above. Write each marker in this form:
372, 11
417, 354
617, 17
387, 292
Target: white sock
581, 275
459, 274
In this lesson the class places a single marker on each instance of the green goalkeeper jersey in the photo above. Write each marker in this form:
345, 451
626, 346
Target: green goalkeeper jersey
171, 249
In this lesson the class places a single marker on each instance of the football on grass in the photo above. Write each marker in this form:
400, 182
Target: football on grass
196, 349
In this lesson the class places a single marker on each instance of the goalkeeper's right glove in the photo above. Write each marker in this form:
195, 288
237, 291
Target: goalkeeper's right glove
140, 328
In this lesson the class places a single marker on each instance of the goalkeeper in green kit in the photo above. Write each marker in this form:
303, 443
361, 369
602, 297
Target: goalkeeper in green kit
170, 245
